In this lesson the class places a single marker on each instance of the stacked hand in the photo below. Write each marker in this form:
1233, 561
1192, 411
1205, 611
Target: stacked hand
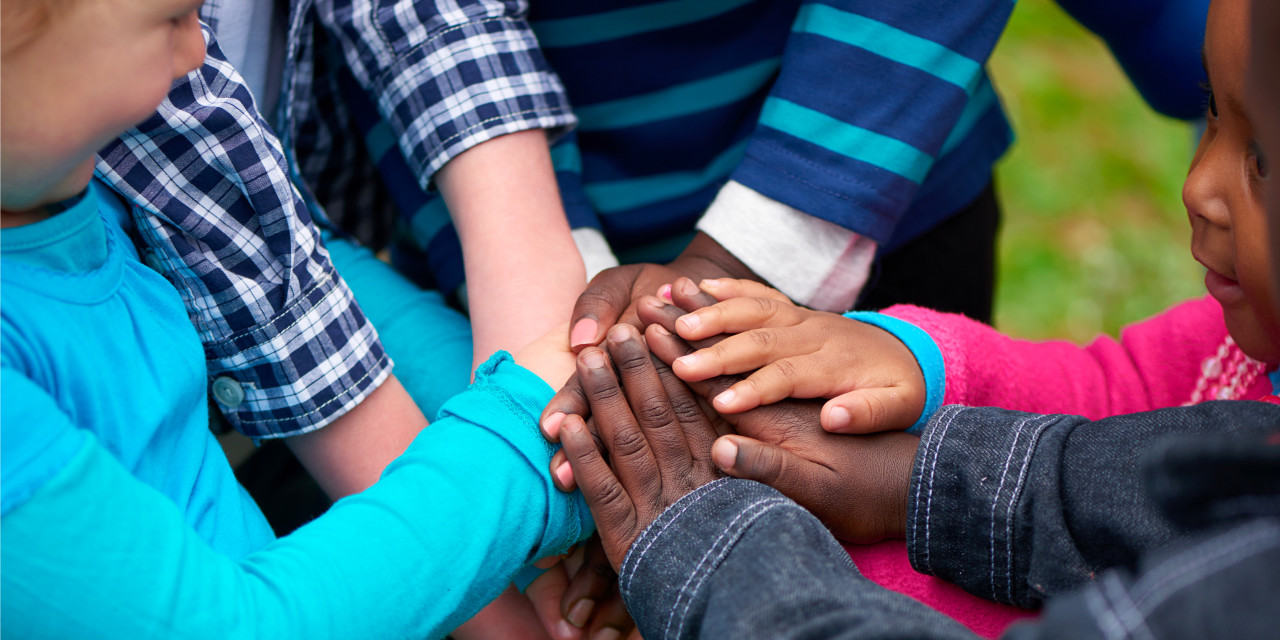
856, 485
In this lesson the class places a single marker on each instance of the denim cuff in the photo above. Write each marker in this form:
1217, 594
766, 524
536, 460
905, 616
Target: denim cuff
927, 355
665, 573
965, 507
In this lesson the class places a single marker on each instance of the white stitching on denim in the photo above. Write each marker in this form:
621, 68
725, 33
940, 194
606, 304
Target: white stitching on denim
1125, 610
995, 501
1207, 557
928, 509
755, 510
697, 495
1036, 432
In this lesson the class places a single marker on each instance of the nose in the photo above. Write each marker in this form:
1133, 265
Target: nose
1205, 191
189, 46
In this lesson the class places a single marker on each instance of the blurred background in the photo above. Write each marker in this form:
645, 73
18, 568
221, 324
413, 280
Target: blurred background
1094, 234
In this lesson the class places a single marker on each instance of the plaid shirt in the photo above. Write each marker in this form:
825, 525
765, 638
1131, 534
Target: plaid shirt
432, 77
287, 348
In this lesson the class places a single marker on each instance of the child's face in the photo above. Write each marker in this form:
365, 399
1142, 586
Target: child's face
1223, 192
93, 71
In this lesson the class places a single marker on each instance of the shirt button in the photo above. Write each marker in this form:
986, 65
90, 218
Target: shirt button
227, 392
152, 260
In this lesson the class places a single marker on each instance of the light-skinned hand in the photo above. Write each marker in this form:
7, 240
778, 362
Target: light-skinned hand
872, 379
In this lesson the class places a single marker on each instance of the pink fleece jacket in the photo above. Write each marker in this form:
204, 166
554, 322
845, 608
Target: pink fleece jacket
1179, 357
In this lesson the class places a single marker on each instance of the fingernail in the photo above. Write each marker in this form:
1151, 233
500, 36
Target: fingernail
839, 418
710, 284
584, 332
572, 426
566, 630
564, 473
690, 360
661, 330
665, 292
725, 399
688, 288
654, 302
725, 453
690, 322
619, 333
607, 633
593, 359
580, 612
551, 426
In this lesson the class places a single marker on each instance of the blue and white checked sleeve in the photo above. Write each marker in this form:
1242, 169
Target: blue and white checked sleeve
287, 349
447, 75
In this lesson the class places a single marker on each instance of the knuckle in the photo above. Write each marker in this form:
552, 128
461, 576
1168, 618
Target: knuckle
787, 370
654, 411
686, 409
763, 339
628, 443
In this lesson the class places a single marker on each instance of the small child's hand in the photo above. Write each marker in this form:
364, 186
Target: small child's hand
549, 357
871, 378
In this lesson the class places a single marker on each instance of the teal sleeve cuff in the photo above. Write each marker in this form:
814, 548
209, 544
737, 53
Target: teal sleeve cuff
927, 354
522, 393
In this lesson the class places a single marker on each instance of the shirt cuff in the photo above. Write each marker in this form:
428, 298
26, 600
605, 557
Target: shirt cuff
315, 360
927, 355
596, 254
767, 235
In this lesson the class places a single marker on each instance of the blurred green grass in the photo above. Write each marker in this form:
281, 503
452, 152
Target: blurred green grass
1094, 234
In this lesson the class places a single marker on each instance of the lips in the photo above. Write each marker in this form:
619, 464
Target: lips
1223, 289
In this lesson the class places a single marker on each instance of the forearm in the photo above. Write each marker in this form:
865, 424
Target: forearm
523, 269
350, 454
439, 536
1019, 507
712, 566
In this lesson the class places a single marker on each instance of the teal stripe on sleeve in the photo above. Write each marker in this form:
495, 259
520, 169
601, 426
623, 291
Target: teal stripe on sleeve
679, 100
601, 27
927, 354
622, 195
982, 101
846, 139
889, 42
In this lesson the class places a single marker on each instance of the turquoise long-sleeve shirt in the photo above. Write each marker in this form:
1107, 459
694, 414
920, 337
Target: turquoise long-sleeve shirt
94, 552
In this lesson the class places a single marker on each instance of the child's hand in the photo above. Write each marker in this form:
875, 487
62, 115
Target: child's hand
873, 379
549, 357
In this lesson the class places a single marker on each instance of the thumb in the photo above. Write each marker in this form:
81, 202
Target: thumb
872, 410
598, 307
750, 459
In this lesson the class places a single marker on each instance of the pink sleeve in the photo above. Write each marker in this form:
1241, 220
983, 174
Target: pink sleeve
1154, 364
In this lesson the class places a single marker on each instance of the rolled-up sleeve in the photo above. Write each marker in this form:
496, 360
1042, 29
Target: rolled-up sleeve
287, 348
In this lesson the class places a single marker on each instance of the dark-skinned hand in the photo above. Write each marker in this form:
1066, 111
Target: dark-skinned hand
610, 296
856, 484
650, 444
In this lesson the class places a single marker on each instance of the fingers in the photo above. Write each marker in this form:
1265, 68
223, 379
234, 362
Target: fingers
686, 295
628, 448
590, 585
737, 315
570, 399
606, 297
751, 459
726, 288
545, 593
872, 410
611, 622
746, 352
610, 504
698, 430
653, 410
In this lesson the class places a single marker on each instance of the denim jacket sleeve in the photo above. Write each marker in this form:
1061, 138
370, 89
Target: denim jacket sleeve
736, 559
1018, 507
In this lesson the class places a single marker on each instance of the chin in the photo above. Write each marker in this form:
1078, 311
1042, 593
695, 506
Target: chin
1254, 341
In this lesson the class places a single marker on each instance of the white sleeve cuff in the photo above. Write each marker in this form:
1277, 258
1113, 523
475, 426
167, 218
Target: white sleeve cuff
815, 262
596, 254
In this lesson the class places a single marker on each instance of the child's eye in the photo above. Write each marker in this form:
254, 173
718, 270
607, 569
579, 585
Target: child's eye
1257, 161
